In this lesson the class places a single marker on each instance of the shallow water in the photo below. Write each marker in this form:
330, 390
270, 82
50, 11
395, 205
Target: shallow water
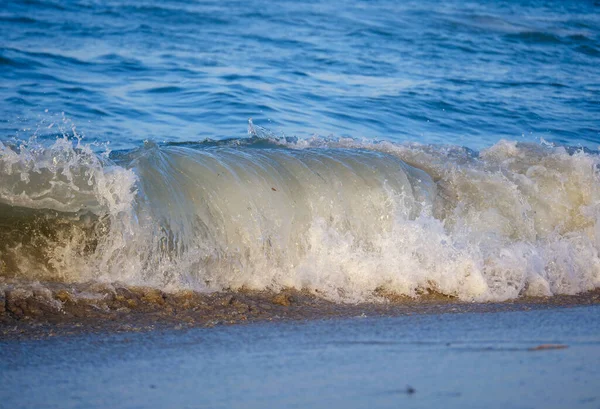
402, 148
468, 360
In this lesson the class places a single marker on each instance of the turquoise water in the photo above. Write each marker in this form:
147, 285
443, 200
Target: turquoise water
455, 73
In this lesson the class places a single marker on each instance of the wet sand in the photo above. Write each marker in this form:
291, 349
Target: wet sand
42, 310
468, 360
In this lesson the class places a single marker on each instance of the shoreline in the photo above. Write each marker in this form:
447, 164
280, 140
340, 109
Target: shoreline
43, 310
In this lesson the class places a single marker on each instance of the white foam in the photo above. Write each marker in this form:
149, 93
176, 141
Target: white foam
342, 217
66, 176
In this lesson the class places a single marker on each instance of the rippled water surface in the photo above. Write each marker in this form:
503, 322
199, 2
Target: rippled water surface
452, 72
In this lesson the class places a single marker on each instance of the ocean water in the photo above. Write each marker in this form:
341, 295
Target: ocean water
348, 148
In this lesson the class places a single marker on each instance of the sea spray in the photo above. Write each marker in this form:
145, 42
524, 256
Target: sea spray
60, 204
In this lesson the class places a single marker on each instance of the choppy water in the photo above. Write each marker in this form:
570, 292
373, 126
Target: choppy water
414, 146
464, 74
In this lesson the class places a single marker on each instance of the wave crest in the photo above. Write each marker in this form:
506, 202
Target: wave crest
345, 218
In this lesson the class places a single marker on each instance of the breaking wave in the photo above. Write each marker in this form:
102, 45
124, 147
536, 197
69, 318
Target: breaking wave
348, 219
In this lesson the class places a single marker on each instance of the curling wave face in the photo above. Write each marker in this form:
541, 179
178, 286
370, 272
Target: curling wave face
347, 219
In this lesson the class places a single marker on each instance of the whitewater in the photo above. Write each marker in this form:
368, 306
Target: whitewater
350, 220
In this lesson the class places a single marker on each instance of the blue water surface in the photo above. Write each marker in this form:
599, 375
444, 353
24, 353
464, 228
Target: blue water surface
452, 72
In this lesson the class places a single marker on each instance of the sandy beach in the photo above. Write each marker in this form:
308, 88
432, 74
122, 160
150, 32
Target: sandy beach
526, 355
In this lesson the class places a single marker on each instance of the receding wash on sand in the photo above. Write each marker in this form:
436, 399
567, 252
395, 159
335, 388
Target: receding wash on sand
30, 311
